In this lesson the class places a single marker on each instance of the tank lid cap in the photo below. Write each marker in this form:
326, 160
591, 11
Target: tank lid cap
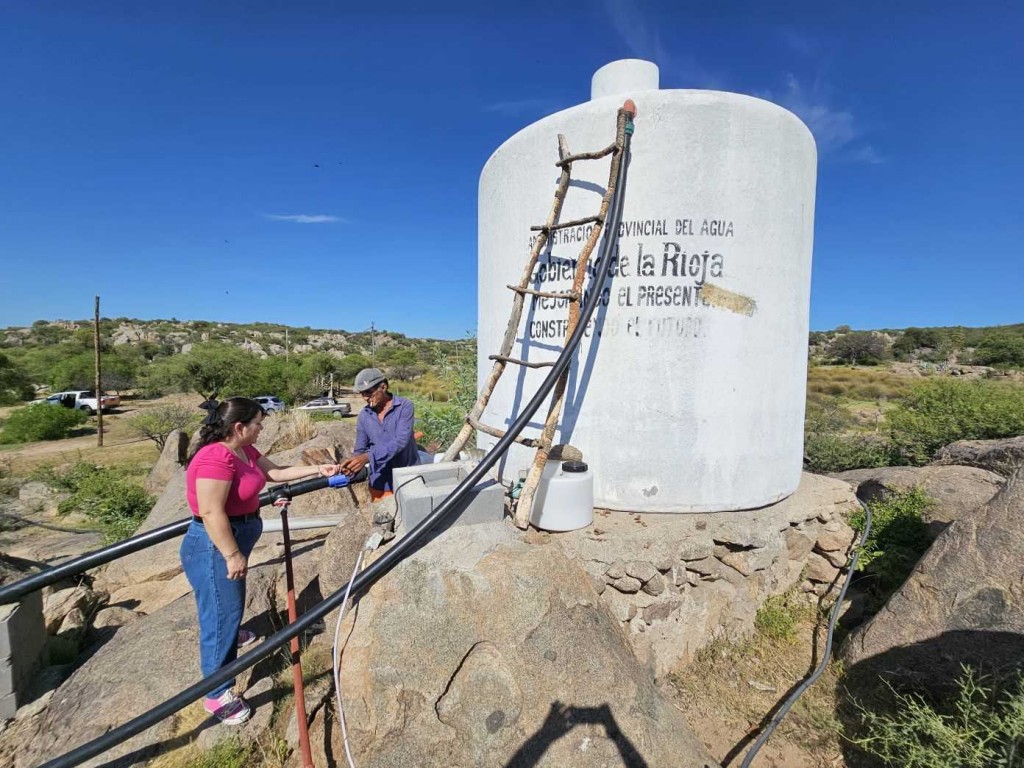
625, 77
574, 466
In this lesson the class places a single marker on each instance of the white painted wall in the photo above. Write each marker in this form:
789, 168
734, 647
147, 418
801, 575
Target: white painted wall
677, 408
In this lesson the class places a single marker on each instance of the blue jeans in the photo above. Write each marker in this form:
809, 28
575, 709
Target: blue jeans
219, 600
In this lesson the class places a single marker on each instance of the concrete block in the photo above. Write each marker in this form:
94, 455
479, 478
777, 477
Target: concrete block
21, 624
422, 488
22, 642
6, 676
8, 706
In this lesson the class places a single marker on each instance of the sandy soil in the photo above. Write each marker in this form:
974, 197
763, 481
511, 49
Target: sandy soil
729, 692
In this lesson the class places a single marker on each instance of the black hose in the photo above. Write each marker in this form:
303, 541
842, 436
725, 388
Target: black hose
825, 656
12, 592
391, 558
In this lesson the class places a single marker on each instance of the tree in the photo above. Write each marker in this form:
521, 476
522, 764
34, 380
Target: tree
856, 347
76, 371
14, 382
1000, 349
156, 424
210, 368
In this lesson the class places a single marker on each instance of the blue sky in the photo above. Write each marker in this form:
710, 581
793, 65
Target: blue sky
317, 163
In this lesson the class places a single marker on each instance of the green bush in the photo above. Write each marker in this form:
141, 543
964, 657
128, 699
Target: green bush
828, 445
441, 422
898, 538
942, 411
838, 453
40, 422
108, 495
979, 728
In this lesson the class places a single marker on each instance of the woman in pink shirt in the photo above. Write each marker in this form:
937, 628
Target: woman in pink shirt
224, 478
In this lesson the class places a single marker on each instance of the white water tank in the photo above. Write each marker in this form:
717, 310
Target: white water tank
681, 404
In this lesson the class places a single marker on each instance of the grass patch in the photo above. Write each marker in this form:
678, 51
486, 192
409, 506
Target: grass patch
8, 483
730, 687
873, 384
780, 616
296, 427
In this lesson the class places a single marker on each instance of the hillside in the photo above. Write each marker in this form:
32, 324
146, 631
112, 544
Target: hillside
172, 336
162, 356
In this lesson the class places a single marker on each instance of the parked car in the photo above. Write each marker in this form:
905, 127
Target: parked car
336, 408
82, 400
270, 403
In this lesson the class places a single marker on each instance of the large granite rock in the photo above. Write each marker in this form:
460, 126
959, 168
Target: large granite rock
955, 490
999, 456
963, 604
482, 650
139, 665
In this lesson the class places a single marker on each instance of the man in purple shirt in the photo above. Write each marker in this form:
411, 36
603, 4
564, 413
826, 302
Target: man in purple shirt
384, 438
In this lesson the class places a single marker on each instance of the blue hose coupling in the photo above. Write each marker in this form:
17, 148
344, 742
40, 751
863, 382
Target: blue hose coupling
337, 481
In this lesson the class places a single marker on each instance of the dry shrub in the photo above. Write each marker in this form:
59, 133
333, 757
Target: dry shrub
294, 428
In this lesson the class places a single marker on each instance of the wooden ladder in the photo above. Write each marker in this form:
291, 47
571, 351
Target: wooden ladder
623, 124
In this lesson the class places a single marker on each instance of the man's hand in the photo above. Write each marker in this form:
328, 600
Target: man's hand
355, 464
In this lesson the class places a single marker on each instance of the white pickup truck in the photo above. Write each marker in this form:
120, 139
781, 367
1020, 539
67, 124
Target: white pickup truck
82, 400
333, 406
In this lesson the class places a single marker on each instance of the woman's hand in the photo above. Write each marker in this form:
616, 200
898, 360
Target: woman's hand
238, 565
328, 470
355, 464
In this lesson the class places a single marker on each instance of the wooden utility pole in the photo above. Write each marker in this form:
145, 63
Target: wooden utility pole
373, 347
98, 382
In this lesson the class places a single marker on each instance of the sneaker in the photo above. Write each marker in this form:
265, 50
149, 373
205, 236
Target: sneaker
246, 638
228, 708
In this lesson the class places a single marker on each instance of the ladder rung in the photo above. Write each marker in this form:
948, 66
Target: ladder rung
527, 363
487, 429
587, 156
567, 224
570, 295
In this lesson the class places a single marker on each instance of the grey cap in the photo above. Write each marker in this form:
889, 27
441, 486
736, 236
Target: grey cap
368, 378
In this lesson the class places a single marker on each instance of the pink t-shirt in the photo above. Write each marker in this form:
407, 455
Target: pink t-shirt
217, 462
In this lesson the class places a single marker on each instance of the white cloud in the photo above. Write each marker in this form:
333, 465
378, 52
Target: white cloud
835, 130
514, 108
306, 218
643, 38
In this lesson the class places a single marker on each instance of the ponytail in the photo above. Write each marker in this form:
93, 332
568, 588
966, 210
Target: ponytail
222, 417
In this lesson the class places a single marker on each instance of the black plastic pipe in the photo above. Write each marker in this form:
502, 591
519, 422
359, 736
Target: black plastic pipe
9, 593
391, 558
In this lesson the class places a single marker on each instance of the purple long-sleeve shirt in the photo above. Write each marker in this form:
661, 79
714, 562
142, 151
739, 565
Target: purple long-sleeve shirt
390, 442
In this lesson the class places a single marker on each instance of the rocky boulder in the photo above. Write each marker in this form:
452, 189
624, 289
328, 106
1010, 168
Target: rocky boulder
483, 650
999, 456
955, 490
963, 604
172, 460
